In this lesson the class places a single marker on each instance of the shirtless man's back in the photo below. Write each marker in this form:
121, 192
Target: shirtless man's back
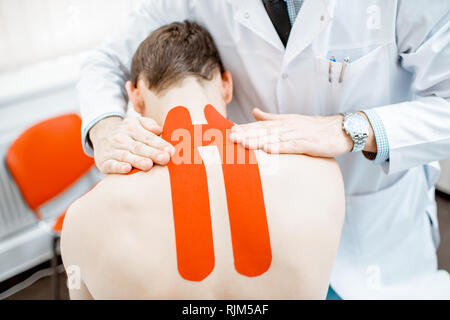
122, 236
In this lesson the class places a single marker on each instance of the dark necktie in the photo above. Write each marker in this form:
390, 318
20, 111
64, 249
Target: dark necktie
278, 14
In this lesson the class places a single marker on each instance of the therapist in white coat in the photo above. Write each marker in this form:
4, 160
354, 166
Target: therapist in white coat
385, 64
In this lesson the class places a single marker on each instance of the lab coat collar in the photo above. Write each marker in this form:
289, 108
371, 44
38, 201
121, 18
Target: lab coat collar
312, 19
253, 15
314, 16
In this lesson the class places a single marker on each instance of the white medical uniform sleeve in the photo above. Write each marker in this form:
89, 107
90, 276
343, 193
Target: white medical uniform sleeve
101, 87
381, 139
418, 131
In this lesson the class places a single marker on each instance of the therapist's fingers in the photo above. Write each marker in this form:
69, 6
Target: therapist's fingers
115, 167
265, 121
253, 126
147, 131
256, 130
133, 141
258, 142
265, 116
150, 125
262, 133
153, 141
138, 162
143, 150
290, 147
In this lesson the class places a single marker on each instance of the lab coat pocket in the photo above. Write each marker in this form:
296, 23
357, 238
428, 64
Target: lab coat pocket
358, 84
378, 221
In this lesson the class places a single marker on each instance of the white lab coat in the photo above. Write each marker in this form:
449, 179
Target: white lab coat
400, 65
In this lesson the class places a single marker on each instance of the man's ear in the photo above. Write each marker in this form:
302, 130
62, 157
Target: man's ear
227, 87
135, 97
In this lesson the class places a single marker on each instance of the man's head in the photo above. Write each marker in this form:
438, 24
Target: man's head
178, 55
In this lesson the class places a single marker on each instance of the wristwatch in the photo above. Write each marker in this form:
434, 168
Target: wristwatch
357, 127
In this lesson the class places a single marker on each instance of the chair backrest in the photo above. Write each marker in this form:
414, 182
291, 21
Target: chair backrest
47, 159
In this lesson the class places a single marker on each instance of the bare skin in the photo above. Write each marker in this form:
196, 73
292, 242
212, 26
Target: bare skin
121, 234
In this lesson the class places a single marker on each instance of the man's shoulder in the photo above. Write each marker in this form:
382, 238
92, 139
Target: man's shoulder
133, 185
120, 194
126, 192
287, 165
111, 209
318, 174
303, 179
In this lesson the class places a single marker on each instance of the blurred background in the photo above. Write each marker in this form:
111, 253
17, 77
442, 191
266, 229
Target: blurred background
42, 45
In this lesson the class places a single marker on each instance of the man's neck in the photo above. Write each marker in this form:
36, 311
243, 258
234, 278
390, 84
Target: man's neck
194, 95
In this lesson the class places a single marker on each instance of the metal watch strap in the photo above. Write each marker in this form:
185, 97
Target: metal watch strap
359, 139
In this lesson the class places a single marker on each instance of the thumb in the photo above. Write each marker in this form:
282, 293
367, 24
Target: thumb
264, 116
150, 125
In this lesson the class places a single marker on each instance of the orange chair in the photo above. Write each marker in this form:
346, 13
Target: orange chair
45, 161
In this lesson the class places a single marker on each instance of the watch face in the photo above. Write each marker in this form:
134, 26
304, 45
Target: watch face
356, 125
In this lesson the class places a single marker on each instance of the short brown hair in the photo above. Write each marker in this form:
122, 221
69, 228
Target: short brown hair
174, 52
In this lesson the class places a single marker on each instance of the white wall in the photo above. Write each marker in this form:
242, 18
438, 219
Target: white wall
37, 30
42, 45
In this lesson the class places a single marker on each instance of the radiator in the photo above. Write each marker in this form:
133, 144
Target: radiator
14, 214
24, 243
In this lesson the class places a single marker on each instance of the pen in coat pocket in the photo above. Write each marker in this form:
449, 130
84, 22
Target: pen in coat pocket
330, 68
344, 65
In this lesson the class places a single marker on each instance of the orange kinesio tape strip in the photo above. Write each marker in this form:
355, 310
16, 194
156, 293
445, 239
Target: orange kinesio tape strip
247, 213
190, 200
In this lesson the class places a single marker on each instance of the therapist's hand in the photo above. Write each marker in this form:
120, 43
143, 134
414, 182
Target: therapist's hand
122, 144
296, 134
